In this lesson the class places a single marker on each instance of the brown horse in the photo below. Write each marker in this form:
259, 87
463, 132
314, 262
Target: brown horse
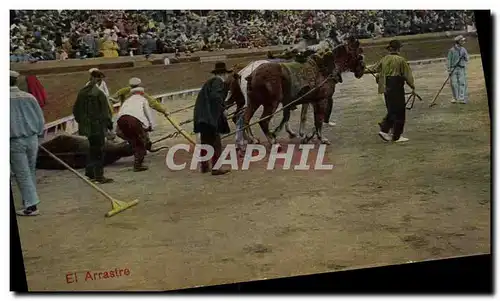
237, 83
313, 81
349, 58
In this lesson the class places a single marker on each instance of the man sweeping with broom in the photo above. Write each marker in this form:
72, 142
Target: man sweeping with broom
124, 93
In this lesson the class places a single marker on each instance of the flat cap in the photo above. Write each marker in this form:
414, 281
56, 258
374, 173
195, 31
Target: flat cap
134, 81
14, 74
459, 38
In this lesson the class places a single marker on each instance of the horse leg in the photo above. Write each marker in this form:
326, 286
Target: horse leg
303, 119
284, 122
264, 124
290, 132
319, 117
247, 132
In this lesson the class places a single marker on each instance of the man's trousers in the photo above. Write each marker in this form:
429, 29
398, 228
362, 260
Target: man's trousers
396, 107
95, 158
458, 81
212, 138
133, 131
23, 156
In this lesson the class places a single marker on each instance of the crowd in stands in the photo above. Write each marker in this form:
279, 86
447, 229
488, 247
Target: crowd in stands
59, 35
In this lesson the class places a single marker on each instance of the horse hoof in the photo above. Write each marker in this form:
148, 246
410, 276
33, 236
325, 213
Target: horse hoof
304, 140
301, 135
325, 141
292, 135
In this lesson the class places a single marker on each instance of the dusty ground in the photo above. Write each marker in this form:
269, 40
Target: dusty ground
63, 88
381, 204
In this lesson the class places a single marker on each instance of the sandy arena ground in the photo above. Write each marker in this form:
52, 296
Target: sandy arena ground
381, 204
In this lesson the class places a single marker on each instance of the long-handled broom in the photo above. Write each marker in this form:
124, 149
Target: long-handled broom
116, 205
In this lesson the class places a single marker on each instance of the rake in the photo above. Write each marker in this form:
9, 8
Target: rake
116, 205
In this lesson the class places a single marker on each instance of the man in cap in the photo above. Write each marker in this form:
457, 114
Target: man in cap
124, 93
26, 126
393, 72
101, 84
93, 115
209, 115
135, 119
457, 63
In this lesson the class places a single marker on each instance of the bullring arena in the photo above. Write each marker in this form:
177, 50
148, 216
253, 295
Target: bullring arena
381, 204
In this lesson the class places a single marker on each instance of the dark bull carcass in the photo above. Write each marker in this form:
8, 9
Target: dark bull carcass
73, 150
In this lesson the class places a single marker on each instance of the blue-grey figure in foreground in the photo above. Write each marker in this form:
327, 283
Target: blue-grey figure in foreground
457, 68
26, 126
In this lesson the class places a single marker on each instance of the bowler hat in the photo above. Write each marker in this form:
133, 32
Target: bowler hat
97, 74
394, 45
220, 67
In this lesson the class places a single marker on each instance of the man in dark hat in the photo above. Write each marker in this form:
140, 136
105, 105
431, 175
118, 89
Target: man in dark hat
209, 115
93, 115
393, 71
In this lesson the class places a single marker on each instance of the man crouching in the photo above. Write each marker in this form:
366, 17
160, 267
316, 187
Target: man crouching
134, 121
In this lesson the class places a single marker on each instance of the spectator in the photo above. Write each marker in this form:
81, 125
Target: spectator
122, 44
109, 47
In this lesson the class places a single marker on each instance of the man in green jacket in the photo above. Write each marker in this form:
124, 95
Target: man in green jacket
93, 115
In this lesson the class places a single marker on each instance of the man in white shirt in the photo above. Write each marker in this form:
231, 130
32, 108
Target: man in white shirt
134, 121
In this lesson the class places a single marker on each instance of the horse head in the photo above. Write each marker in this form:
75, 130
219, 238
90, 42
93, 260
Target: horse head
355, 61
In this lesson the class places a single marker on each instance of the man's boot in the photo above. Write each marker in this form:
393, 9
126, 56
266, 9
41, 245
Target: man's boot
218, 172
138, 166
204, 167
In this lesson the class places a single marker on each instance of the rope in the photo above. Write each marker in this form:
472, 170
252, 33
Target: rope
180, 110
411, 100
176, 134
